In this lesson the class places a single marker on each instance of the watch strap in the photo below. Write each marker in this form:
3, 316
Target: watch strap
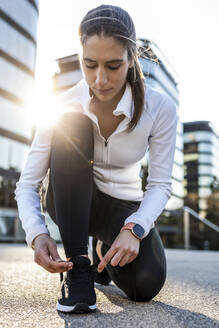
128, 226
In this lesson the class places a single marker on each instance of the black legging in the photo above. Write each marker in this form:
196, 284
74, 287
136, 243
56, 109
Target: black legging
80, 210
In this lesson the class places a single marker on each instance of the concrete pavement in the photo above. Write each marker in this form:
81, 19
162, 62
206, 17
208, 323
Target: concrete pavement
189, 298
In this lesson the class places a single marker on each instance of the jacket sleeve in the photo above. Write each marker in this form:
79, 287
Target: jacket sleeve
27, 192
162, 144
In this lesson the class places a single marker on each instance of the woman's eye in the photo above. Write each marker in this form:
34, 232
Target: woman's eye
114, 68
110, 67
90, 66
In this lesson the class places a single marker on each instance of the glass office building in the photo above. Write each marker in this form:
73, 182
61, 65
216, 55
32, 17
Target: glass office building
201, 160
201, 181
18, 28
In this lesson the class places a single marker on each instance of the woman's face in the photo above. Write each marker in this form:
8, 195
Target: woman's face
105, 64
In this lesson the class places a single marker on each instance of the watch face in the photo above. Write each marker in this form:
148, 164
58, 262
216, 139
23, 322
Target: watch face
138, 230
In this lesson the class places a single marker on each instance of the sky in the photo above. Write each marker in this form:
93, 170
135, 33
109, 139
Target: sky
186, 31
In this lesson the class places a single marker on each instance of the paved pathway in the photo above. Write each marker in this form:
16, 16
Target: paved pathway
189, 298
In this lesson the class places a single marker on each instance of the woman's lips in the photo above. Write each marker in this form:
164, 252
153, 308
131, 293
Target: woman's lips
103, 91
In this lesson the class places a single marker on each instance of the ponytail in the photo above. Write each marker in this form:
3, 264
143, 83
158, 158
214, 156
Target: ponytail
135, 77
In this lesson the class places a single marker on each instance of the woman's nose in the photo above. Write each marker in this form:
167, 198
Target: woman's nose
101, 77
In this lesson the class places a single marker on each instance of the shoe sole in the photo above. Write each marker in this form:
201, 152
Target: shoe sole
77, 308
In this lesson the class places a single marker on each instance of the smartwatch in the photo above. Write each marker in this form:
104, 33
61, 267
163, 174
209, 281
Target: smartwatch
136, 229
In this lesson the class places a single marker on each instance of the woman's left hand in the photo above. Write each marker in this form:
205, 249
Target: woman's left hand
123, 250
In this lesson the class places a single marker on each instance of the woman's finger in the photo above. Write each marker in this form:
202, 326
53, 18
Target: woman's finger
57, 263
60, 266
42, 258
53, 252
117, 258
125, 260
105, 260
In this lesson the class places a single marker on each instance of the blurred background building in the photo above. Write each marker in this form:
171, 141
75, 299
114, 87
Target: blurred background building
18, 29
201, 159
201, 180
69, 73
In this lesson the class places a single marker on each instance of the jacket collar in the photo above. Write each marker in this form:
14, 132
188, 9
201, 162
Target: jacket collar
125, 105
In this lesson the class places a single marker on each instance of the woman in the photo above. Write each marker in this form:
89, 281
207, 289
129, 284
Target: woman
93, 155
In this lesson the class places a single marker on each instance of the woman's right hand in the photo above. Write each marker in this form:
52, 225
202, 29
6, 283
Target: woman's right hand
46, 255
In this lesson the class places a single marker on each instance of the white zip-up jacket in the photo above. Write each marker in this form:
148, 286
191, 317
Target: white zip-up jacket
116, 165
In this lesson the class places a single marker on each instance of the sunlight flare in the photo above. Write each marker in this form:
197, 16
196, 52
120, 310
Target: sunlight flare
43, 108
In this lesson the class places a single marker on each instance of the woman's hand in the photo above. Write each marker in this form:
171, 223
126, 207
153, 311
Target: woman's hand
46, 255
123, 250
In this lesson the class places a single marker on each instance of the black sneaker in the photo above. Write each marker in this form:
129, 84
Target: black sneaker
77, 293
101, 278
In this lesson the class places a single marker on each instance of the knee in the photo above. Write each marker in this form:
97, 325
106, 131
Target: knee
73, 141
76, 126
148, 285
69, 118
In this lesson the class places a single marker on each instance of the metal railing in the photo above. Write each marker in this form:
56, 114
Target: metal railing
186, 219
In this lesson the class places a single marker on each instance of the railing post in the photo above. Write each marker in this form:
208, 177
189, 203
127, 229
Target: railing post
186, 229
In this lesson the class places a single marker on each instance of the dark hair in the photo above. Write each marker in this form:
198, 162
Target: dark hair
114, 21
